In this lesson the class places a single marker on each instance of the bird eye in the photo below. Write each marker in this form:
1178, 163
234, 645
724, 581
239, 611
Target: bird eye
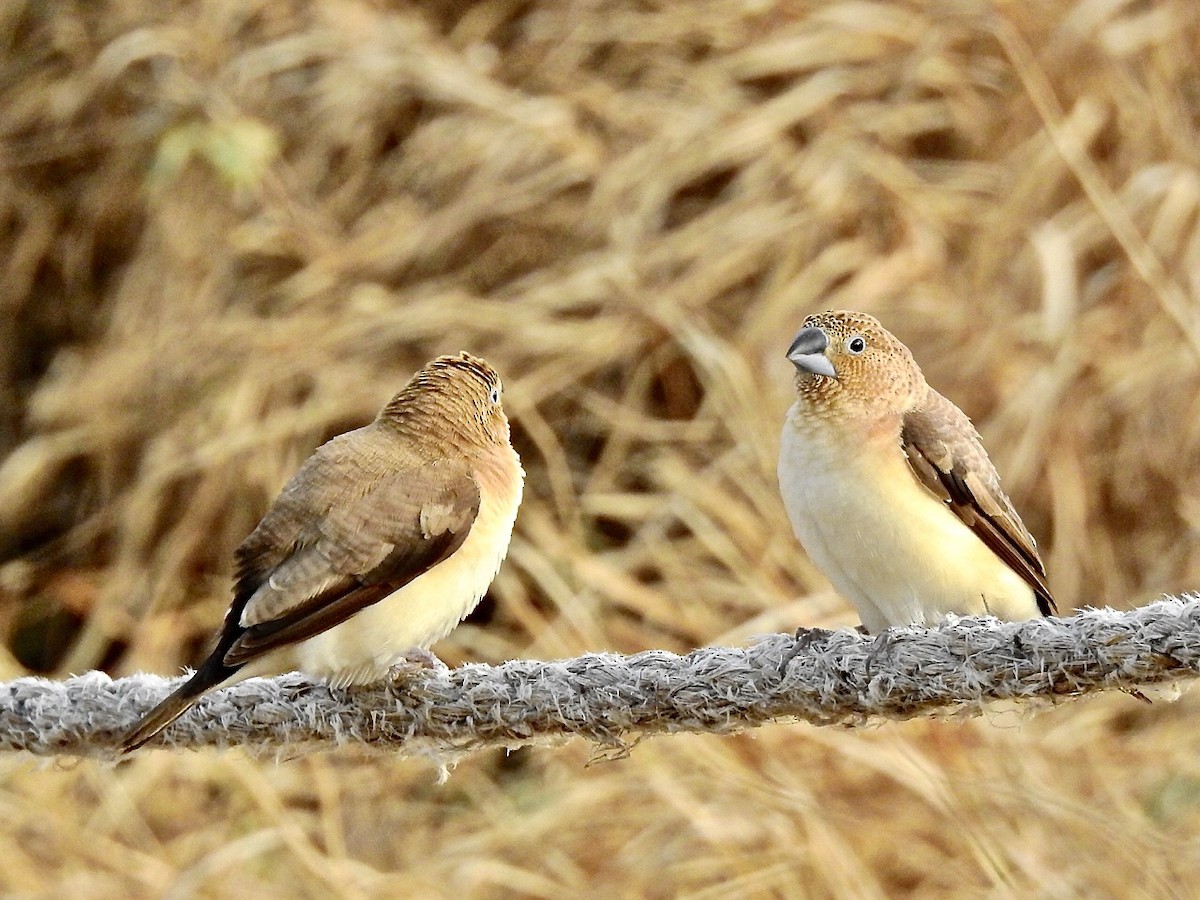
856, 344
495, 395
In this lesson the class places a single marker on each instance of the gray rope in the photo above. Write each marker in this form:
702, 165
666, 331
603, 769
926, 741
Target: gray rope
824, 677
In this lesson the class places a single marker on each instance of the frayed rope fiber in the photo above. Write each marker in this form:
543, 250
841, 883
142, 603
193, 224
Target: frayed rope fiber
822, 677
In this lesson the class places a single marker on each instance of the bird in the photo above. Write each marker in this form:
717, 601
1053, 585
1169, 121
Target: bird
380, 544
889, 488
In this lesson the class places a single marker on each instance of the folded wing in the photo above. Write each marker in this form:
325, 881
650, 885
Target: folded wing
338, 543
947, 456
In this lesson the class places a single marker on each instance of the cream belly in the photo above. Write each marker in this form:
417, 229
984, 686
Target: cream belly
364, 647
888, 545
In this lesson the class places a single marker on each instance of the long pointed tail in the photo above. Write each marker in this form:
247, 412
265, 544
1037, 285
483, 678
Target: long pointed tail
170, 709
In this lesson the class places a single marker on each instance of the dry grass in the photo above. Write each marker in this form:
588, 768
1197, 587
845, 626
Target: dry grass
232, 230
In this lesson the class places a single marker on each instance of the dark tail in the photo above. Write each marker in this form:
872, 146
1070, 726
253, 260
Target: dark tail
206, 677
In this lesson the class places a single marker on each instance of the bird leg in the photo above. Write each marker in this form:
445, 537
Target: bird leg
880, 648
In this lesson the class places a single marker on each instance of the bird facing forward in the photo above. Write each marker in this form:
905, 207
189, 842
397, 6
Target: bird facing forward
890, 491
378, 546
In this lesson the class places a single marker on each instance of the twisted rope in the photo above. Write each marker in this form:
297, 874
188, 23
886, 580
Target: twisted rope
821, 677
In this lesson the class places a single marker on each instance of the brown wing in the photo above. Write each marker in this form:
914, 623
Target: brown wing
946, 454
362, 518
346, 532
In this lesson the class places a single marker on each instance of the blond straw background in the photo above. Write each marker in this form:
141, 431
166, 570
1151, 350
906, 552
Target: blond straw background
229, 231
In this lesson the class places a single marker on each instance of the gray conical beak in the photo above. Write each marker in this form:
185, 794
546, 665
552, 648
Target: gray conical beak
807, 353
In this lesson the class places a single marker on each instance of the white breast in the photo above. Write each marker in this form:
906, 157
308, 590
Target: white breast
886, 543
363, 648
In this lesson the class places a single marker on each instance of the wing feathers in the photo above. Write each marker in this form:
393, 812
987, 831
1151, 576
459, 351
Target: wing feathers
339, 558
947, 456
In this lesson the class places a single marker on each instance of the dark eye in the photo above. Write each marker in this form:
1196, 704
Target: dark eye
495, 395
856, 344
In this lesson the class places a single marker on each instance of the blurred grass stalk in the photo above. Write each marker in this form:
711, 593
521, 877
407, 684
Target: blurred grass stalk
231, 230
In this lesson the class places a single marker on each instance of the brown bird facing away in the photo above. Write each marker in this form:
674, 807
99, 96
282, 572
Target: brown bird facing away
890, 491
378, 546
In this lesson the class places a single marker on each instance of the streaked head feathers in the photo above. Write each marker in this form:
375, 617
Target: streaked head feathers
463, 386
849, 361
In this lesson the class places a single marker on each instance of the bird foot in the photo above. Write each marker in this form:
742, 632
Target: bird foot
804, 638
412, 661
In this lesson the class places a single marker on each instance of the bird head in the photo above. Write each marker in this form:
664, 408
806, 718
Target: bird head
462, 393
848, 361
